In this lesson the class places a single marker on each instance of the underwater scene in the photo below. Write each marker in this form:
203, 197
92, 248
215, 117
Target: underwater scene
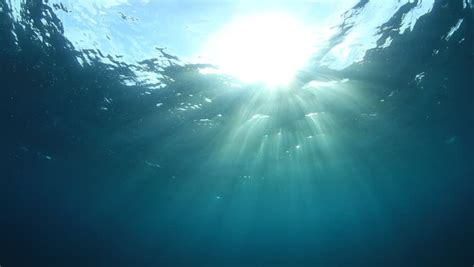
236, 133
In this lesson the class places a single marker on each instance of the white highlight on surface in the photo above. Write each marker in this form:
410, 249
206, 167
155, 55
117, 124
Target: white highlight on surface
318, 84
259, 117
152, 164
454, 29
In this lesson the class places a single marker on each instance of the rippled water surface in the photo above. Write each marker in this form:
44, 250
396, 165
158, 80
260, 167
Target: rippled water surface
236, 133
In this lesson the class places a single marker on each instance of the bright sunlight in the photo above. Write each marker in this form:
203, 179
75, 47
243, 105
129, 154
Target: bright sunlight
268, 48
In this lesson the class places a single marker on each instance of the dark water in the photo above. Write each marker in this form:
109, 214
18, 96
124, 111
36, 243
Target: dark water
93, 173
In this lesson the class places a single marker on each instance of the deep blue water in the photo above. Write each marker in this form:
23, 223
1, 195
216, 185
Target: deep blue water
93, 173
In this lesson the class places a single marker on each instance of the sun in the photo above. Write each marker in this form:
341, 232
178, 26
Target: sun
266, 48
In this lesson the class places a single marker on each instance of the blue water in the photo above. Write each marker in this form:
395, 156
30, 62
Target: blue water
374, 166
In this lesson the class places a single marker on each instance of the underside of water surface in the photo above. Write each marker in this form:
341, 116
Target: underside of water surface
236, 133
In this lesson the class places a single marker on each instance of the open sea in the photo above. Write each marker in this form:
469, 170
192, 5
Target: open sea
118, 149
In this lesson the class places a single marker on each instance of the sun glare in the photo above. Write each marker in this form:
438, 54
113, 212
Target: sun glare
267, 48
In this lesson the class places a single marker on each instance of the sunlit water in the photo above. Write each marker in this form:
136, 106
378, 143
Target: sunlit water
236, 133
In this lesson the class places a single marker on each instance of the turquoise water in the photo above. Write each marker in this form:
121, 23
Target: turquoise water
118, 150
